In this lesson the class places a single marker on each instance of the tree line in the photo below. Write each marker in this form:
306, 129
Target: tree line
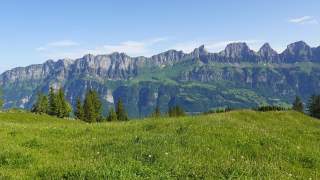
90, 109
55, 104
312, 108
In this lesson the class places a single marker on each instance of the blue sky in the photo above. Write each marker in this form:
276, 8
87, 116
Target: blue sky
35, 30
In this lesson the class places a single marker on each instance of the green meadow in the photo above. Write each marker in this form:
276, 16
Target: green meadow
237, 144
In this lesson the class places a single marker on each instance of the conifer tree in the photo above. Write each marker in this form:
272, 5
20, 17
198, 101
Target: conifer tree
314, 106
41, 105
97, 105
1, 100
58, 105
53, 104
297, 104
176, 111
121, 112
63, 107
79, 113
156, 113
88, 109
112, 115
92, 107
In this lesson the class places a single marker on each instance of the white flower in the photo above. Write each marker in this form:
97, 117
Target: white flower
166, 153
150, 155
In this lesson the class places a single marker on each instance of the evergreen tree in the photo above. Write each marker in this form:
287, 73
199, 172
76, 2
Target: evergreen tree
297, 104
92, 107
112, 115
58, 105
68, 109
41, 106
97, 105
314, 106
79, 113
1, 100
44, 104
176, 111
88, 109
53, 104
63, 108
156, 113
121, 112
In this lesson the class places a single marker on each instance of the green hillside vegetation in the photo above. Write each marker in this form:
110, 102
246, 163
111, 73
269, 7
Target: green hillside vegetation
236, 144
194, 85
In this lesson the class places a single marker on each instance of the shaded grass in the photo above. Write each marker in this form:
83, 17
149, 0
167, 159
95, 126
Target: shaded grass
239, 144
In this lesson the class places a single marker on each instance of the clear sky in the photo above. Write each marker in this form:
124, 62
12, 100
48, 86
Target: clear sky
33, 31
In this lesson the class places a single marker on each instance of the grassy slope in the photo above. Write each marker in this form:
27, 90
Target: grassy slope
275, 145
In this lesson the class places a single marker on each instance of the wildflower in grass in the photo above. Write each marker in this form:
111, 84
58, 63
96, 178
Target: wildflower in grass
150, 155
167, 154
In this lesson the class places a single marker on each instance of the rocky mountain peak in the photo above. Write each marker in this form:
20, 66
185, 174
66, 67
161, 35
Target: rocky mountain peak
298, 44
237, 46
64, 62
237, 51
298, 51
200, 51
167, 58
88, 57
266, 49
267, 53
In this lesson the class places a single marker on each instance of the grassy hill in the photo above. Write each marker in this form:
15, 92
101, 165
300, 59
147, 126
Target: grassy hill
239, 144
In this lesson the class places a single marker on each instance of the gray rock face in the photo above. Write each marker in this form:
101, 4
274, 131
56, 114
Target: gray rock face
316, 54
268, 55
238, 51
167, 58
115, 66
118, 75
119, 66
297, 52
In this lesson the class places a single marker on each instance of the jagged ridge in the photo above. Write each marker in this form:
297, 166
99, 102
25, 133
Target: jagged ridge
76, 76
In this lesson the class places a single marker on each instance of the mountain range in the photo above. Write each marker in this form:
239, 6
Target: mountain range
198, 81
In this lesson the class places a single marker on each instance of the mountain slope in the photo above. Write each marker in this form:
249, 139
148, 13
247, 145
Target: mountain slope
199, 81
240, 144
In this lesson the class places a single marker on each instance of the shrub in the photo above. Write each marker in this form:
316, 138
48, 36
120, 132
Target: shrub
176, 111
271, 108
